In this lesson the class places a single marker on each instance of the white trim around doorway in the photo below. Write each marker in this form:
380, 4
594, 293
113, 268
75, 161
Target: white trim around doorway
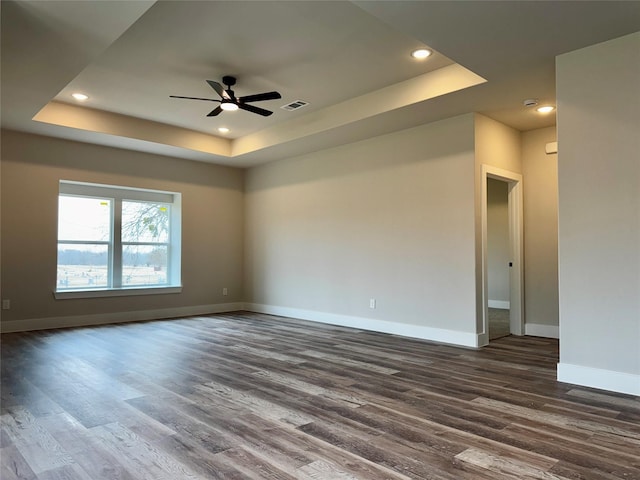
516, 249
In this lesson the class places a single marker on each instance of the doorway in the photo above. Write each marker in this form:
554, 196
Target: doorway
498, 258
506, 281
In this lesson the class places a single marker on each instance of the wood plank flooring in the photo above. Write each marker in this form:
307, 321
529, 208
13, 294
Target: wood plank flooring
250, 396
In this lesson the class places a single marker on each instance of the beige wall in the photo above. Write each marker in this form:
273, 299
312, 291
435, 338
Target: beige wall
540, 172
390, 218
599, 214
497, 144
385, 218
498, 257
212, 224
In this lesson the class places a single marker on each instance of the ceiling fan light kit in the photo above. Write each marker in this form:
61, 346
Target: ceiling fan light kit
229, 102
228, 105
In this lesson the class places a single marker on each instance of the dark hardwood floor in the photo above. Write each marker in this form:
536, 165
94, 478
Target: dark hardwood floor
249, 396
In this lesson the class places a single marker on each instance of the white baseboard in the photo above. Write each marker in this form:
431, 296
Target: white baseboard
504, 305
117, 317
597, 378
540, 330
453, 337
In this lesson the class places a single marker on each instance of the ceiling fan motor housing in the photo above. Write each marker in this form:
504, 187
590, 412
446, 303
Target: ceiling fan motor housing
229, 81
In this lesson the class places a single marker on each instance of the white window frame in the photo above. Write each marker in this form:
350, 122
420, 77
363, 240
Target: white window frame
117, 195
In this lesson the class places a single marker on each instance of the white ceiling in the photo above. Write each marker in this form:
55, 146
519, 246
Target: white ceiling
349, 60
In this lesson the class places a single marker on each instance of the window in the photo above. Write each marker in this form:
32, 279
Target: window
117, 241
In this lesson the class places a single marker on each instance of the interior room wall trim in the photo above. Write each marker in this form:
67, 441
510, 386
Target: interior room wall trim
453, 337
541, 330
598, 378
117, 317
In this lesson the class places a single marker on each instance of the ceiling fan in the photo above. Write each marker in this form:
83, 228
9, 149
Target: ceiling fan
228, 101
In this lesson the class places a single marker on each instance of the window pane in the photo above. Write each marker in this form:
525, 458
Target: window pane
111, 237
83, 218
145, 222
144, 265
82, 266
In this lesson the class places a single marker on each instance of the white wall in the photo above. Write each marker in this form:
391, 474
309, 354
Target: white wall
498, 242
390, 218
212, 230
599, 214
540, 172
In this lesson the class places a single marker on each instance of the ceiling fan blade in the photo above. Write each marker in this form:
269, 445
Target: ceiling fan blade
218, 88
195, 98
258, 97
216, 111
252, 109
230, 95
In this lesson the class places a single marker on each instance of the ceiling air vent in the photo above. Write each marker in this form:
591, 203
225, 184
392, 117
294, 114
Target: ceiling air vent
295, 105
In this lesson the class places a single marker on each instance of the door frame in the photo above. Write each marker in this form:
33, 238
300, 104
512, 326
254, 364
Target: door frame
516, 250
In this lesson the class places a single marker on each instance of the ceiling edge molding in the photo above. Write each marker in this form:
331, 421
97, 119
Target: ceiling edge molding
449, 79
83, 118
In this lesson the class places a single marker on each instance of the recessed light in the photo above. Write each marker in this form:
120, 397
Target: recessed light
223, 130
421, 53
81, 97
545, 109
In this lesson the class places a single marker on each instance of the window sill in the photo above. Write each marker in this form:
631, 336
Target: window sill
115, 292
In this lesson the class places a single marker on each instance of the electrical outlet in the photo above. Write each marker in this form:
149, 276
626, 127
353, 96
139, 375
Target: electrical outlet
6, 304
225, 291
372, 303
